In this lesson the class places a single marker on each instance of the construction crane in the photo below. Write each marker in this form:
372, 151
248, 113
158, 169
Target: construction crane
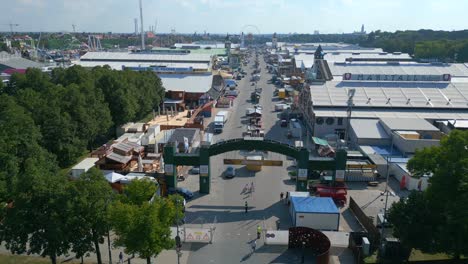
11, 26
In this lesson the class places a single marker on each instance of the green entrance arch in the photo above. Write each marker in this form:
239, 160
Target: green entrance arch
202, 158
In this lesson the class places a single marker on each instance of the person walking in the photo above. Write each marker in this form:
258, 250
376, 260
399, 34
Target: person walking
287, 195
281, 196
254, 245
259, 231
246, 207
120, 257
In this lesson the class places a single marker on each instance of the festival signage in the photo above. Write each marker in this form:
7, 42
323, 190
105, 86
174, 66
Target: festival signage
396, 77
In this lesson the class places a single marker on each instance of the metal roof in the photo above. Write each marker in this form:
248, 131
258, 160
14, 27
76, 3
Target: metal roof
304, 59
85, 164
342, 56
196, 83
403, 68
17, 62
119, 158
117, 65
439, 114
128, 146
322, 205
392, 94
146, 57
368, 128
408, 124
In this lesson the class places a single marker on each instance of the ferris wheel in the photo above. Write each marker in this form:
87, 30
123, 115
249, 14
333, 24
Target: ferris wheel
248, 31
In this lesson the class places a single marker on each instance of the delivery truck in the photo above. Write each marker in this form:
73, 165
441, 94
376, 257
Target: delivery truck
219, 121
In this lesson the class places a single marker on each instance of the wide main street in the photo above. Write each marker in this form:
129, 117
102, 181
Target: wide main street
223, 208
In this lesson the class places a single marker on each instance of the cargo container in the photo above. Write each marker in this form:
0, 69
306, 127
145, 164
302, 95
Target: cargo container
318, 213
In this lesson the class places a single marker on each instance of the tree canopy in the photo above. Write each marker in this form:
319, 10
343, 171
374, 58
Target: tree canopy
46, 123
143, 226
76, 109
437, 219
90, 197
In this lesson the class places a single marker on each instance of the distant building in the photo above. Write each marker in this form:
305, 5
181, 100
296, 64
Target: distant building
389, 89
274, 41
11, 63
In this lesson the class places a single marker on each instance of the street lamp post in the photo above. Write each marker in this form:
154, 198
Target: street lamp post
177, 239
386, 191
108, 234
303, 249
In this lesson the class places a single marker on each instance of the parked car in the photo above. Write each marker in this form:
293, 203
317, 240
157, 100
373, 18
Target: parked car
284, 123
230, 172
181, 191
195, 170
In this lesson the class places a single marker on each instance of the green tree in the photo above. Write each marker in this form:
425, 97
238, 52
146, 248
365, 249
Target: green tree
19, 143
143, 230
139, 192
413, 221
36, 220
446, 198
90, 196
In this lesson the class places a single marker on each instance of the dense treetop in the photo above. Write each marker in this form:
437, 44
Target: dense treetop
76, 109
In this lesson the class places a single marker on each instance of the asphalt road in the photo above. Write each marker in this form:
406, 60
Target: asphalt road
223, 208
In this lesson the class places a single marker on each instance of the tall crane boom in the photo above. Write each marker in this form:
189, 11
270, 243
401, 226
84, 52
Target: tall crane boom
142, 30
11, 25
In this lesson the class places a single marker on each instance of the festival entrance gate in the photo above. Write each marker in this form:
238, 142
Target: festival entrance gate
202, 158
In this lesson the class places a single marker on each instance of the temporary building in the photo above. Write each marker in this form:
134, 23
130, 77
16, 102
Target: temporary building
315, 212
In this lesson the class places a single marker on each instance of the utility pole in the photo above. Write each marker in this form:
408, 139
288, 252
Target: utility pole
384, 221
74, 28
141, 27
351, 93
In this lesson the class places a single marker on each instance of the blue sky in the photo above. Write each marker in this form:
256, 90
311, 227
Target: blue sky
221, 16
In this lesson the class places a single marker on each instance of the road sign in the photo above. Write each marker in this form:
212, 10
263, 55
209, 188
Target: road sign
169, 169
198, 235
302, 174
203, 170
339, 175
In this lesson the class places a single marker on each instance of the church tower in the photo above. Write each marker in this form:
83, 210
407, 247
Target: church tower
274, 41
227, 42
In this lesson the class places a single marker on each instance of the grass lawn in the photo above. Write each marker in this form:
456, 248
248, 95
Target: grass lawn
416, 255
14, 259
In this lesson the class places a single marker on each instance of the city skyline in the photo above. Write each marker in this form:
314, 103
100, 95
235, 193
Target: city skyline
223, 16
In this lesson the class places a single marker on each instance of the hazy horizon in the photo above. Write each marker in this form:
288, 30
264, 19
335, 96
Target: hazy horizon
234, 16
